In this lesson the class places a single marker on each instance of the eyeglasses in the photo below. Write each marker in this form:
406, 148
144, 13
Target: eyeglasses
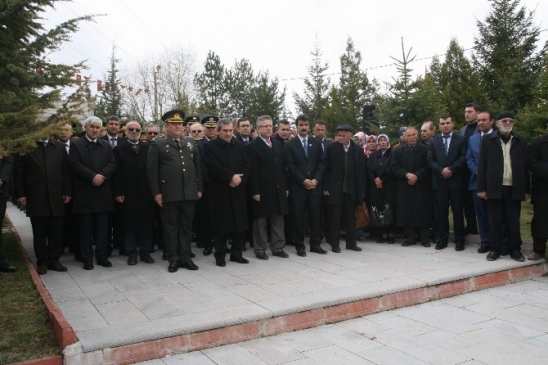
506, 121
133, 129
196, 131
153, 133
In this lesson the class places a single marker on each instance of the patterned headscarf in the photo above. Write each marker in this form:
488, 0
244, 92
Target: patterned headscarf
369, 138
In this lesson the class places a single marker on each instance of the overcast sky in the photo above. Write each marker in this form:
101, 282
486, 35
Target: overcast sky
276, 35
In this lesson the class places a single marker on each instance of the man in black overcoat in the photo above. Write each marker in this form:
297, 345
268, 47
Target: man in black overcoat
131, 190
503, 180
344, 187
228, 167
304, 159
446, 159
538, 164
267, 187
6, 169
43, 184
93, 164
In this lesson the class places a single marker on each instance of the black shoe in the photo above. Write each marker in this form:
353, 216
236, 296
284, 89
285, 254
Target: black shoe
381, 240
459, 247
239, 259
493, 255
426, 244
483, 249
208, 251
441, 246
88, 265
104, 262
147, 258
354, 248
301, 252
193, 255
391, 240
517, 255
261, 256
7, 268
220, 262
173, 267
281, 254
318, 249
336, 249
42, 269
189, 265
407, 243
504, 251
164, 256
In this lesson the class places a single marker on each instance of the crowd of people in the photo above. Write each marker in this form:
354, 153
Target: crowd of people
228, 185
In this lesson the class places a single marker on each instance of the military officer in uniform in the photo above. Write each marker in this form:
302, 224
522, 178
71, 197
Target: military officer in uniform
174, 173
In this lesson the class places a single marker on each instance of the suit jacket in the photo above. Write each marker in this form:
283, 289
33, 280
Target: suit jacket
472, 159
491, 166
240, 139
6, 169
43, 177
87, 160
455, 160
300, 167
333, 177
174, 173
119, 139
267, 178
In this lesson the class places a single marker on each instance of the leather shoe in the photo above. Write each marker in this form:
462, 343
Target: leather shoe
517, 255
493, 255
354, 248
56, 266
301, 252
132, 260
534, 256
192, 255
42, 269
391, 240
239, 259
261, 256
441, 246
104, 262
189, 265
336, 249
426, 244
7, 268
318, 249
164, 256
220, 262
208, 251
147, 258
407, 243
459, 247
173, 267
88, 265
281, 254
483, 249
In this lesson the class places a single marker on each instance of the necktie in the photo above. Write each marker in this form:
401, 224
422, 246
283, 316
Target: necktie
323, 146
178, 144
67, 148
246, 142
305, 147
269, 143
113, 142
446, 143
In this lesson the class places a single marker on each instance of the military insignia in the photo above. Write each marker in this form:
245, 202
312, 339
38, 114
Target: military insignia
176, 115
211, 119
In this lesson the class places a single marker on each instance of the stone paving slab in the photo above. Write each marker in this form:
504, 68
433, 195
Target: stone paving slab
402, 336
123, 305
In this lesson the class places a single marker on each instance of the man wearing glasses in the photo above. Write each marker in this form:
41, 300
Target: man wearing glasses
244, 131
503, 181
197, 131
152, 133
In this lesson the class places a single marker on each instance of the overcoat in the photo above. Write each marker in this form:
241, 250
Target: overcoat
379, 165
6, 169
414, 207
267, 178
227, 205
131, 181
88, 159
333, 177
538, 164
174, 172
43, 177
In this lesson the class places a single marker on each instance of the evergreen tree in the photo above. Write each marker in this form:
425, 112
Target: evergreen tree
29, 82
238, 81
315, 98
507, 55
267, 98
209, 85
110, 102
533, 119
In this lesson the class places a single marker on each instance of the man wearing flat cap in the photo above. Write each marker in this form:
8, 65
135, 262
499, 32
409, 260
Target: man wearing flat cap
343, 187
173, 169
503, 180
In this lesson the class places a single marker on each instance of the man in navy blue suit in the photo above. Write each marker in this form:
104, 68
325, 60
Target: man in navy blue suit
447, 159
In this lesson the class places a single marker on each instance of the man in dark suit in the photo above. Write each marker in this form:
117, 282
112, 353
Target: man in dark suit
503, 180
93, 164
304, 159
267, 186
344, 187
319, 132
283, 129
228, 168
175, 178
244, 131
43, 184
131, 190
446, 159
6, 168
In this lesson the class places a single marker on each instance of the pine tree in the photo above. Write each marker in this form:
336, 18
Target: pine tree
110, 102
533, 119
29, 82
268, 99
507, 55
238, 82
209, 85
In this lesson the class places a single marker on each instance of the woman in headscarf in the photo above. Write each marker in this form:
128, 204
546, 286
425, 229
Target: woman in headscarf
370, 145
359, 138
382, 182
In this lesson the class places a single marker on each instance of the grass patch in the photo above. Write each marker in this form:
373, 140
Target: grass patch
26, 329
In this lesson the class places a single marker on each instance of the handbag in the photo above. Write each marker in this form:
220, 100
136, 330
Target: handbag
382, 216
363, 219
